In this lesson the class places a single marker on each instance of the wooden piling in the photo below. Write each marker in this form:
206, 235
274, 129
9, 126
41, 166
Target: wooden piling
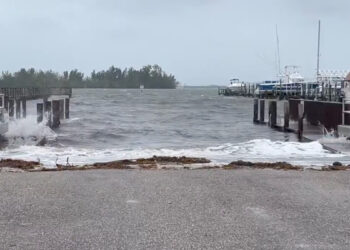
286, 115
256, 110
66, 108
61, 109
6, 103
48, 115
24, 108
262, 111
40, 112
300, 121
18, 109
11, 108
56, 114
272, 114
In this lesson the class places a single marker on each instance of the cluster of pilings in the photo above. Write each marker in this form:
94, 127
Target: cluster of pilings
259, 115
16, 108
53, 111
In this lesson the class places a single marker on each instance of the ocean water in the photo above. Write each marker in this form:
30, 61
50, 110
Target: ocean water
113, 124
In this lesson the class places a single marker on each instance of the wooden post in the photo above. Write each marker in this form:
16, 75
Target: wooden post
300, 120
40, 112
6, 104
66, 108
48, 115
256, 110
272, 114
11, 108
56, 114
262, 111
18, 109
24, 108
61, 109
286, 115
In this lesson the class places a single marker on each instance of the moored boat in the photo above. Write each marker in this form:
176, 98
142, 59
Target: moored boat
236, 87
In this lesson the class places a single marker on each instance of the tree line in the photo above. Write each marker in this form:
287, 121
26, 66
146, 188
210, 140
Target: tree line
150, 76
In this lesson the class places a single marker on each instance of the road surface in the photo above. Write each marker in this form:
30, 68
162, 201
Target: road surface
175, 209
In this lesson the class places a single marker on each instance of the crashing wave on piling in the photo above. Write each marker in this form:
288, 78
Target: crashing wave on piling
28, 132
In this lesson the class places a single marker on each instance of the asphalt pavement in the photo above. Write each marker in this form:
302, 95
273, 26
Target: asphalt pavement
175, 209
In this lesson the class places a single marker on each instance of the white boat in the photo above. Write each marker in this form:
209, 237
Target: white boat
292, 81
236, 87
266, 87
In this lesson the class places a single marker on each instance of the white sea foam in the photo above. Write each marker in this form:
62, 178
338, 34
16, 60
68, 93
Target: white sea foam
255, 150
29, 128
334, 140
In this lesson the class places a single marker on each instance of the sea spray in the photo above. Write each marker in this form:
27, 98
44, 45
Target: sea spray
27, 131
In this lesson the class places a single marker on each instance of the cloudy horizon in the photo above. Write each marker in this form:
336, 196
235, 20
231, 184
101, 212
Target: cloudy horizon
199, 41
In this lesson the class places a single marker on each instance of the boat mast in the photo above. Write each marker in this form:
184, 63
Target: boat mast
318, 50
279, 73
278, 53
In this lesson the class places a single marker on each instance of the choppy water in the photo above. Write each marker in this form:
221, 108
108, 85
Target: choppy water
112, 124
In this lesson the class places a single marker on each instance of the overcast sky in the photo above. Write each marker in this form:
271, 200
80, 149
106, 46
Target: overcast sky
199, 41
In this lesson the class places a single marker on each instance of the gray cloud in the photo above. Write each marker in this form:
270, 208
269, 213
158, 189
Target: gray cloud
200, 41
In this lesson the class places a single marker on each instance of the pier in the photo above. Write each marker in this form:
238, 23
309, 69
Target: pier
54, 105
328, 86
294, 114
308, 91
289, 105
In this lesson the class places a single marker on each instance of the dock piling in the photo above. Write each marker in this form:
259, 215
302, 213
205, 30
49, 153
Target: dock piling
272, 114
56, 114
262, 111
286, 115
11, 104
300, 120
66, 108
40, 112
6, 103
256, 110
24, 108
48, 115
18, 109
61, 109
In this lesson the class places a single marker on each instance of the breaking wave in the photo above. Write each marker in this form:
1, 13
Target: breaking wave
28, 131
254, 150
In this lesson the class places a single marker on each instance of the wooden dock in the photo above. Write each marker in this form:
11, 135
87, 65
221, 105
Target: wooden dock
14, 101
323, 114
34, 93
